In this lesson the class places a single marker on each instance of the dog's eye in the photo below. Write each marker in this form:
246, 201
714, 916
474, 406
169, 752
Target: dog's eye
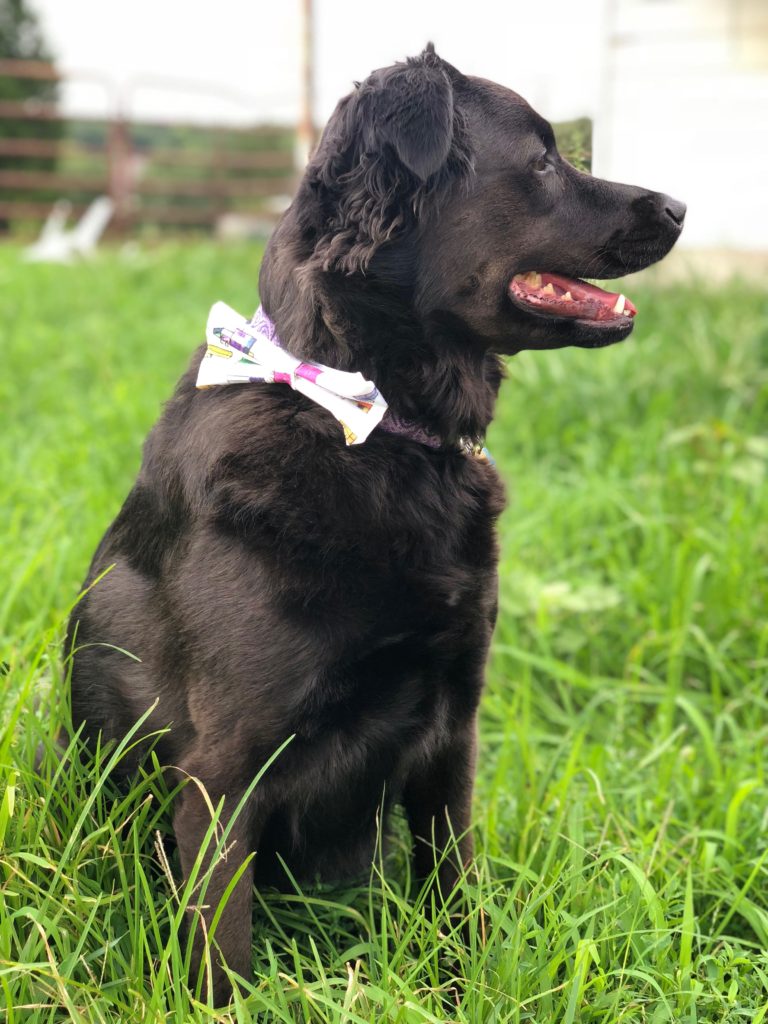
542, 165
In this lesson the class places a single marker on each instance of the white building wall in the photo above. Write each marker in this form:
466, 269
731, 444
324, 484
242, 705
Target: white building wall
684, 109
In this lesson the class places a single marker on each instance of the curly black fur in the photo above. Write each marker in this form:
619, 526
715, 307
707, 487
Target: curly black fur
389, 150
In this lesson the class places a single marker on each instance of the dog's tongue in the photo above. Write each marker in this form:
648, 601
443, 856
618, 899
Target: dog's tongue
569, 296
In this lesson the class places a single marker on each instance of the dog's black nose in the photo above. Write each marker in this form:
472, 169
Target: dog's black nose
674, 209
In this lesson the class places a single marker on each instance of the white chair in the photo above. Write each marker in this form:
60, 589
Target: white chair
57, 245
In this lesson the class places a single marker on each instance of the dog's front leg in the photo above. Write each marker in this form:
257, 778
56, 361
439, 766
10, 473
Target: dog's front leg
438, 804
233, 934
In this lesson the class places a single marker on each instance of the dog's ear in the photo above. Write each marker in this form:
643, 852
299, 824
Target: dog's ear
413, 113
386, 153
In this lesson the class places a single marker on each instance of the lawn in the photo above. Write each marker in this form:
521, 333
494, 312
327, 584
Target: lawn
621, 812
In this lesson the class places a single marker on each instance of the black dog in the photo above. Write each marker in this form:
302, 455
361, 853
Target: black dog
276, 583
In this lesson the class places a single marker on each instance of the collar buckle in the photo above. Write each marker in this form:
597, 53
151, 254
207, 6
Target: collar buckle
474, 448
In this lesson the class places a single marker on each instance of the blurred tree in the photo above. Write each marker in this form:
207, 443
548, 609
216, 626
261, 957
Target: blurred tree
21, 38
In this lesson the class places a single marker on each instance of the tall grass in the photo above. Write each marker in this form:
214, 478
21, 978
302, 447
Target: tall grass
621, 810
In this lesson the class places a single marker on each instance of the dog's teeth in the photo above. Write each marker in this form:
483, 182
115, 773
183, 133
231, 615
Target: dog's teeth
567, 297
548, 290
619, 307
533, 279
627, 313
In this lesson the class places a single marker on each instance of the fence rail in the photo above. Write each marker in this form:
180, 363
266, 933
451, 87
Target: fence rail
165, 172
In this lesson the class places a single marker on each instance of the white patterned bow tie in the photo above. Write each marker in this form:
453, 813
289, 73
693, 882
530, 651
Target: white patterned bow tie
242, 352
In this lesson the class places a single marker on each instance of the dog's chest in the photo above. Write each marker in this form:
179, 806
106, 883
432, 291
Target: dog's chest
420, 569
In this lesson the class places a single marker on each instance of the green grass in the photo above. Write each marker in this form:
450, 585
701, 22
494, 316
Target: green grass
621, 811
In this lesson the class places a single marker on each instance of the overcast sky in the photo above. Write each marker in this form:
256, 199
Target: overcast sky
240, 58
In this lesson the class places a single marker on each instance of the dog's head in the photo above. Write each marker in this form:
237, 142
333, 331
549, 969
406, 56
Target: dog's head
447, 194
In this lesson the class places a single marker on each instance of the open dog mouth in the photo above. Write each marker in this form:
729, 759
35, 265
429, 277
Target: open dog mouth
559, 296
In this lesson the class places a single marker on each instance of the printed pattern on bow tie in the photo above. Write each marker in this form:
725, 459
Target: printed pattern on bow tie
245, 352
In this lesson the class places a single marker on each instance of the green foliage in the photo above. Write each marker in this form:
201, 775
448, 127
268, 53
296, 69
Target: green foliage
574, 141
621, 798
20, 34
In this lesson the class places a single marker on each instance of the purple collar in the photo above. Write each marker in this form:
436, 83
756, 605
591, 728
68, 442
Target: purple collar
412, 431
472, 446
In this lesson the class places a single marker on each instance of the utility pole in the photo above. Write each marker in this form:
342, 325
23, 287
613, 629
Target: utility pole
305, 134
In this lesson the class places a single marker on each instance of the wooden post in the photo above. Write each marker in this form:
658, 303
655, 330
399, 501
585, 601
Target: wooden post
305, 133
120, 172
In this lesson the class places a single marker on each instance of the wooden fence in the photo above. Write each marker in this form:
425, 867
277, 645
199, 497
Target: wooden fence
178, 175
